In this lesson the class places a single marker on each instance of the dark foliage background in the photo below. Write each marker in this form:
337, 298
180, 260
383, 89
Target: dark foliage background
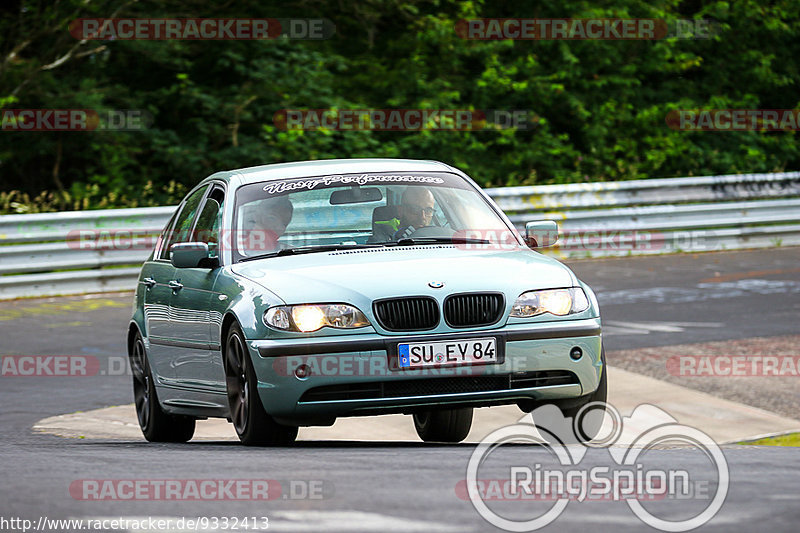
601, 105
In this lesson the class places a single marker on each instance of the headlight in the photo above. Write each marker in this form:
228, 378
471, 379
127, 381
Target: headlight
558, 302
311, 317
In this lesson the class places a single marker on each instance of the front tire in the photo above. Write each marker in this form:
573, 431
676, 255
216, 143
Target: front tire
580, 424
252, 423
443, 425
588, 422
156, 425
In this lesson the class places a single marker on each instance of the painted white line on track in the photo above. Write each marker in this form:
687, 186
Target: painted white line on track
616, 327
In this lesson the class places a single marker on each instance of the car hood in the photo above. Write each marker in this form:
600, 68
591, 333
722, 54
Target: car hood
360, 276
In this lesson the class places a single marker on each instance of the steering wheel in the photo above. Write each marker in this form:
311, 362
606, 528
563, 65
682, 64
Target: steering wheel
431, 231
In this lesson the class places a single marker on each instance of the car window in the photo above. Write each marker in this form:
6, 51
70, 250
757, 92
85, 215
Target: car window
313, 211
164, 235
299, 219
209, 221
183, 224
358, 210
465, 210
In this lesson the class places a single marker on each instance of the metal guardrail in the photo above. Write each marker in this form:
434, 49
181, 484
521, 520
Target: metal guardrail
40, 254
644, 217
648, 192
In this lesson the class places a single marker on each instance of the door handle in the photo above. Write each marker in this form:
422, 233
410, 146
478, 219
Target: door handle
150, 282
175, 285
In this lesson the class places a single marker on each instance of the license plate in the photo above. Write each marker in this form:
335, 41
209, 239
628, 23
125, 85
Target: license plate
464, 352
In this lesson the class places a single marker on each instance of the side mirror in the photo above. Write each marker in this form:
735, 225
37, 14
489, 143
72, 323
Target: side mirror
541, 233
192, 255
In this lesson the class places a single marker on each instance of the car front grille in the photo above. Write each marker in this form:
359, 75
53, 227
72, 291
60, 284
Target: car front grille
398, 388
417, 313
420, 313
467, 310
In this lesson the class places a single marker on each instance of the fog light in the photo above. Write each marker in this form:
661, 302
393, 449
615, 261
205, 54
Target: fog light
302, 371
576, 353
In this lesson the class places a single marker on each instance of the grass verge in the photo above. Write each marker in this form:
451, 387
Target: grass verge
791, 439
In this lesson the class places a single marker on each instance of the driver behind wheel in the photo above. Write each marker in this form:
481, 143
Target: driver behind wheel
416, 211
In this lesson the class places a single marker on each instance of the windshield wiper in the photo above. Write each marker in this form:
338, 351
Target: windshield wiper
411, 241
312, 248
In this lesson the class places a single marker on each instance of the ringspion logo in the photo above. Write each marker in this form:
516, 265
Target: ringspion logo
562, 475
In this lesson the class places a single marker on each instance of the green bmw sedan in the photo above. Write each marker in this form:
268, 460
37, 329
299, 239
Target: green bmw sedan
291, 294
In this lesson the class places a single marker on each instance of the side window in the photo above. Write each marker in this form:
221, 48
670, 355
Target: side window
183, 224
164, 236
208, 222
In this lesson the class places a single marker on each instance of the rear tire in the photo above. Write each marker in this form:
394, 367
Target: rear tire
252, 423
156, 425
443, 425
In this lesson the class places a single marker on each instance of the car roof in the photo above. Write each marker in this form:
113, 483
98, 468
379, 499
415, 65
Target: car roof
324, 167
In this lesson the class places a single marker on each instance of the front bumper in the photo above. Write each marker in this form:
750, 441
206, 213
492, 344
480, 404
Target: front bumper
357, 374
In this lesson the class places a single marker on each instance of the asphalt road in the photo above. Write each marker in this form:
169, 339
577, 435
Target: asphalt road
645, 302
681, 299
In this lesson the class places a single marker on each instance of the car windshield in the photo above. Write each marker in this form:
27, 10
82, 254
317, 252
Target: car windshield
360, 210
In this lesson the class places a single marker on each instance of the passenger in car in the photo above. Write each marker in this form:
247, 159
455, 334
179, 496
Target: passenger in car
268, 223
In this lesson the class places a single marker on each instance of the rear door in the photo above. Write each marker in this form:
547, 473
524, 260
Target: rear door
155, 275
